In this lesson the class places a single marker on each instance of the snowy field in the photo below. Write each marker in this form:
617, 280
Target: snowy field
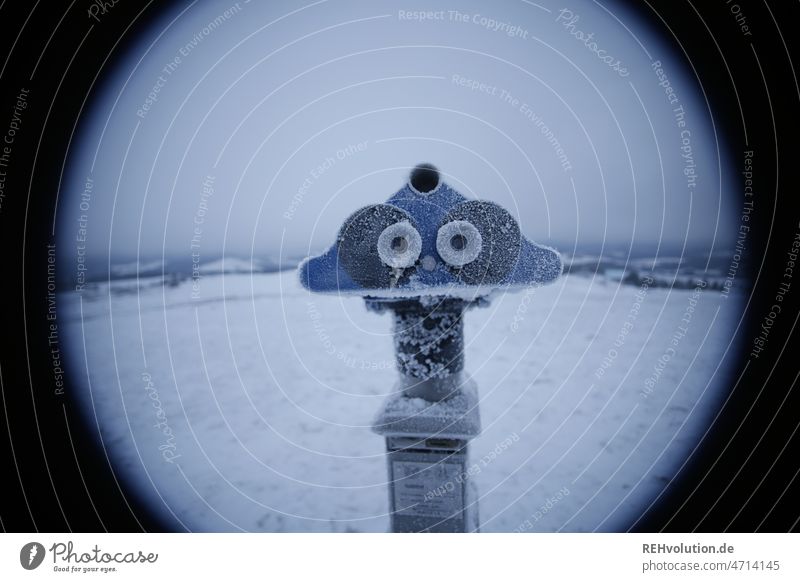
246, 403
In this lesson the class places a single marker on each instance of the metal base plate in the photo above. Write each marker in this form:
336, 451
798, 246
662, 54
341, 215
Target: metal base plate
457, 417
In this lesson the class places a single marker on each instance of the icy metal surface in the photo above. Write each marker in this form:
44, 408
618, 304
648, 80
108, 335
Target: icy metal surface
362, 263
429, 340
457, 417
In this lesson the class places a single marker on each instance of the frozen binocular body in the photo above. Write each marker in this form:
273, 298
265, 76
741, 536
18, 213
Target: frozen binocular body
426, 255
428, 240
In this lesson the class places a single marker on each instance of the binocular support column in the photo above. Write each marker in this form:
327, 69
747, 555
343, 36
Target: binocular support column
430, 419
429, 347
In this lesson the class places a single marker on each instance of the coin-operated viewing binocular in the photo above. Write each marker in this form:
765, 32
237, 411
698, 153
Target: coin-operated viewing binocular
426, 255
429, 240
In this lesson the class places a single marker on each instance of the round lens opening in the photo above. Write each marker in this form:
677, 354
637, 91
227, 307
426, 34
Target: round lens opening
399, 244
458, 242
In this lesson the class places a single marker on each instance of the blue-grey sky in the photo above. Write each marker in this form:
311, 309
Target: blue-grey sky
239, 126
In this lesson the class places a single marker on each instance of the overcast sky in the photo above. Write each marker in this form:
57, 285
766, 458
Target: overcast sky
273, 123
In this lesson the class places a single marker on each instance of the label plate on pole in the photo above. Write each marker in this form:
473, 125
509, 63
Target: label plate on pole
428, 490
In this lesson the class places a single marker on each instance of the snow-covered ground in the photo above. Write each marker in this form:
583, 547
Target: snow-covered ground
246, 403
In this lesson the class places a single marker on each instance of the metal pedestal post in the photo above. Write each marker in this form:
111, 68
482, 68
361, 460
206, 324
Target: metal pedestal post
429, 420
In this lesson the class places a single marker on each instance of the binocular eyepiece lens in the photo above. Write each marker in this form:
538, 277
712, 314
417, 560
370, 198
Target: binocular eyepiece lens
458, 242
374, 241
399, 244
480, 242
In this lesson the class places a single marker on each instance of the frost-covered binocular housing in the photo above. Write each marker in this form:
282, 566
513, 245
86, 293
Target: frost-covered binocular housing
426, 255
428, 240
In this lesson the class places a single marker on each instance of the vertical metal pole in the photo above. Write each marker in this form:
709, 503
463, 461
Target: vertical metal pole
430, 419
429, 347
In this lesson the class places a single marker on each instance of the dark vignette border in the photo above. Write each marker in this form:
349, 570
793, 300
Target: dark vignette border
57, 479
